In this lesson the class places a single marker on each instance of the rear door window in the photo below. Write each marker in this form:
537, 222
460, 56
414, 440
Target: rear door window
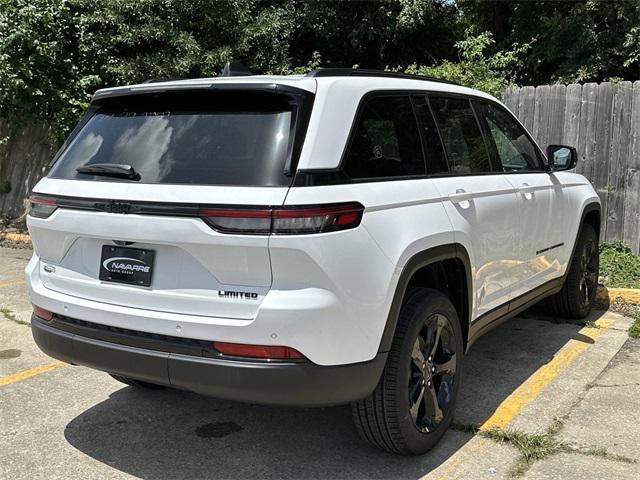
207, 138
461, 135
386, 142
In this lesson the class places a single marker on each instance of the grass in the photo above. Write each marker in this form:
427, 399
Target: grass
634, 329
532, 446
619, 268
8, 314
536, 446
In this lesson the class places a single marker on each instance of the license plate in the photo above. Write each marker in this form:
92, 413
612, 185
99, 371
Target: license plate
133, 266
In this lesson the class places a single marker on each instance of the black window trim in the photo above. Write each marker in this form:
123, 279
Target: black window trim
425, 97
420, 135
313, 177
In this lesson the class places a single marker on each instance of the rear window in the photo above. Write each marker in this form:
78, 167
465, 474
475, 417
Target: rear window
206, 138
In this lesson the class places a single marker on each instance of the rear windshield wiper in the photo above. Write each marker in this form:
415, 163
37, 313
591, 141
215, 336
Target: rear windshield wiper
117, 170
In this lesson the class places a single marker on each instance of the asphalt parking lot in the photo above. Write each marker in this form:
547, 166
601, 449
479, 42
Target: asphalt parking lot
539, 383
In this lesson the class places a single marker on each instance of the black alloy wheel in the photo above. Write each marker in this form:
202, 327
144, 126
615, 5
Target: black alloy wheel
432, 373
589, 263
413, 404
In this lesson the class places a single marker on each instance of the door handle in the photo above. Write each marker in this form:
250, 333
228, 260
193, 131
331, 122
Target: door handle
526, 191
461, 195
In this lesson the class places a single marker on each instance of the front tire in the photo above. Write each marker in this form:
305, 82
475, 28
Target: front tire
578, 293
413, 404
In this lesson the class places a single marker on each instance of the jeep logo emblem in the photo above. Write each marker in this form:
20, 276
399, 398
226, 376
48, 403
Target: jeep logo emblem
118, 207
125, 266
115, 207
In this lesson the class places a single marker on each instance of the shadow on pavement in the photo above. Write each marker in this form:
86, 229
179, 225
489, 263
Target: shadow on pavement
174, 434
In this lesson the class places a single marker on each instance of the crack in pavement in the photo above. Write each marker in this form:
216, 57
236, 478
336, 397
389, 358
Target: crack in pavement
621, 385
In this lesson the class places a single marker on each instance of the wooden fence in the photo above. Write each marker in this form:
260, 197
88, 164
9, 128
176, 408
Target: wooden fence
22, 160
603, 122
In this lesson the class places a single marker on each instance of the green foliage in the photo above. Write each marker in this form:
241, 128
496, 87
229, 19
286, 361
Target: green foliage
634, 329
492, 73
619, 268
374, 34
54, 54
585, 40
39, 62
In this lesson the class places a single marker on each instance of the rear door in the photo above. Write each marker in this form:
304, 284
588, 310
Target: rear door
481, 203
540, 196
174, 238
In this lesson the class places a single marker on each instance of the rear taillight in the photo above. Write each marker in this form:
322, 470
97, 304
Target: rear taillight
258, 351
42, 207
284, 220
42, 313
243, 220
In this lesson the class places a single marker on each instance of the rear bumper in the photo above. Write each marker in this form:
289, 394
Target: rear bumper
276, 383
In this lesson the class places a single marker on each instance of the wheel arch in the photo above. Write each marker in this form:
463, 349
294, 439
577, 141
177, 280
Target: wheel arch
442, 254
592, 215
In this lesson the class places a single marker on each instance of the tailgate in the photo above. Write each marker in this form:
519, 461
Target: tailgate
195, 269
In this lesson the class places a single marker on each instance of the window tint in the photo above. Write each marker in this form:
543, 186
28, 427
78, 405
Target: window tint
508, 141
386, 141
461, 135
436, 158
209, 138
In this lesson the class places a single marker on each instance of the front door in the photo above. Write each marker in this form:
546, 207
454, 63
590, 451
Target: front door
540, 197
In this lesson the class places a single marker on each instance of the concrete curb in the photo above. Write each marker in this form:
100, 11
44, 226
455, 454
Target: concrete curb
626, 295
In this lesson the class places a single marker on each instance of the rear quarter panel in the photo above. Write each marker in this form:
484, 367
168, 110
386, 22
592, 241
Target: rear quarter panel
358, 269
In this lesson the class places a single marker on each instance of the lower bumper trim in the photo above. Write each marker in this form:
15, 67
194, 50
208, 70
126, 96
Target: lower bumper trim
277, 383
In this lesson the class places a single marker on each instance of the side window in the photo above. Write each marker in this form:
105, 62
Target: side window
461, 135
434, 152
386, 141
513, 149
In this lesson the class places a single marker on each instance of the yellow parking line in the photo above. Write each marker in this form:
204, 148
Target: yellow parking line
8, 283
524, 394
532, 387
31, 372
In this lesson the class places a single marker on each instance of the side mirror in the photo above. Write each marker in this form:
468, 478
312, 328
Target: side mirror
561, 157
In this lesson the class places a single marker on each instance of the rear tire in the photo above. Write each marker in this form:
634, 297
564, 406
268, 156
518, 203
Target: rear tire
413, 404
137, 383
578, 293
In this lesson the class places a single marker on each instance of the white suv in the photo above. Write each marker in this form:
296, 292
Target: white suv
338, 237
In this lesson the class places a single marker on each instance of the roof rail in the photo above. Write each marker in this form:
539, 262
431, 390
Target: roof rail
361, 72
160, 80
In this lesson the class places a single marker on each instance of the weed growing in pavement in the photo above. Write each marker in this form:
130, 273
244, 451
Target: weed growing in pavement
532, 446
536, 446
8, 314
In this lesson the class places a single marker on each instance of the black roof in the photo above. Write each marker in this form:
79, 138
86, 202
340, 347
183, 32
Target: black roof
361, 72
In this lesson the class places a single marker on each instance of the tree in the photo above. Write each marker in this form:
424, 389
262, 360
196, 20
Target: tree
570, 41
55, 53
376, 34
476, 68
